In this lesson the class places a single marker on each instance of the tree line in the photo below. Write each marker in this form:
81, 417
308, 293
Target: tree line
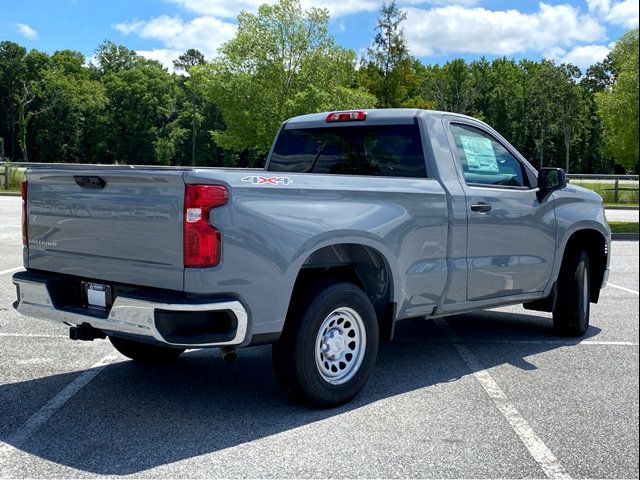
282, 62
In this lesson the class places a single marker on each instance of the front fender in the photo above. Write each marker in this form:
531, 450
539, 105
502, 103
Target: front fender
576, 212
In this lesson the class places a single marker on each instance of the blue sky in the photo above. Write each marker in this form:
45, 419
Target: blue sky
579, 31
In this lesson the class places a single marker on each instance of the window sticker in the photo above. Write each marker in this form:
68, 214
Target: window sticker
480, 154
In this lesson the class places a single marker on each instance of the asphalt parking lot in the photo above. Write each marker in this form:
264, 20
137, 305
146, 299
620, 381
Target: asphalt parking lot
492, 394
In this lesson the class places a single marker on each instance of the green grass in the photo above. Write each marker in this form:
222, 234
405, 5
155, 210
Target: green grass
628, 192
624, 227
15, 178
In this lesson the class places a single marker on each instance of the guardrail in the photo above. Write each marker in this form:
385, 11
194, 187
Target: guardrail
603, 176
616, 181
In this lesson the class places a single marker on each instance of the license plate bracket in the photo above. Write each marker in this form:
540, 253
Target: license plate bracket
97, 295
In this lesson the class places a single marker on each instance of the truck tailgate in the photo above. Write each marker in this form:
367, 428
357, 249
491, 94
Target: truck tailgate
128, 231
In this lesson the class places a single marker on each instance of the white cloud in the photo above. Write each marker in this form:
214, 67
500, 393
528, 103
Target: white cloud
599, 6
458, 29
582, 56
231, 8
163, 55
624, 13
220, 8
466, 3
205, 33
208, 31
26, 31
129, 27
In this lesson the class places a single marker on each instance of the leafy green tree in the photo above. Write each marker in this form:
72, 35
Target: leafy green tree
389, 72
451, 86
188, 60
541, 109
505, 105
141, 104
282, 62
598, 76
34, 97
569, 105
482, 80
61, 132
618, 104
12, 72
112, 58
591, 147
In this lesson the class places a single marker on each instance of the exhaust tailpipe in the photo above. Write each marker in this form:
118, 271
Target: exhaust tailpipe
229, 354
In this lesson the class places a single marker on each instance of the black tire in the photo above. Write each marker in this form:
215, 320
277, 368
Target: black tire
571, 312
145, 352
295, 353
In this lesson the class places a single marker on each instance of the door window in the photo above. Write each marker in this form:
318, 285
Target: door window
485, 161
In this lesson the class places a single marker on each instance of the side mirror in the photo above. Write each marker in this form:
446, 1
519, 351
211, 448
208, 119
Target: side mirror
551, 179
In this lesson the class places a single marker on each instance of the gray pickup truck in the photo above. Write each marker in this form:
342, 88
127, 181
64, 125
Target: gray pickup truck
359, 220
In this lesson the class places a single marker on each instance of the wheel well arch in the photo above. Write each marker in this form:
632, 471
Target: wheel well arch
595, 246
360, 264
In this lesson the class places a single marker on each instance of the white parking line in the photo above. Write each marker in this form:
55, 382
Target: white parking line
11, 270
18, 438
32, 335
624, 289
538, 450
561, 343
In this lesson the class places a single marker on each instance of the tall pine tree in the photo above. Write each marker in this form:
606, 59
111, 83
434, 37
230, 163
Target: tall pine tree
389, 72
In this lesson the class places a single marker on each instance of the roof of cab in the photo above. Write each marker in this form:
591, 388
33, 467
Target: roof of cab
404, 115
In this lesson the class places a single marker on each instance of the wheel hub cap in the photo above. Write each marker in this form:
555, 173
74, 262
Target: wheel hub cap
341, 344
333, 344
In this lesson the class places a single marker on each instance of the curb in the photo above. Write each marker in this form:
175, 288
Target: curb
9, 194
625, 236
620, 207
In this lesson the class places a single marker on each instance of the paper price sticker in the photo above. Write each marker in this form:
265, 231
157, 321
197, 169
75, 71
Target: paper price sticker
480, 154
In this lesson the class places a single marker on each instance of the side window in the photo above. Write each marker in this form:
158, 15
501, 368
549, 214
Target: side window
485, 161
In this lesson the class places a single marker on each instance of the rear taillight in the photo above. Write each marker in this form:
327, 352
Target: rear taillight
350, 116
202, 241
23, 191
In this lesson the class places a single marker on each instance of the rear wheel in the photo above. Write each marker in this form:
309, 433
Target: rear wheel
329, 345
145, 352
571, 313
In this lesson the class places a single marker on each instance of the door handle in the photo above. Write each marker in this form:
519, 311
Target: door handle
481, 207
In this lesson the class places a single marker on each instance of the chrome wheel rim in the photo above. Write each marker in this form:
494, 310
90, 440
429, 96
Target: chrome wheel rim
340, 345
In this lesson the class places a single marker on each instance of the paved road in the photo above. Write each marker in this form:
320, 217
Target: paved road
491, 394
626, 215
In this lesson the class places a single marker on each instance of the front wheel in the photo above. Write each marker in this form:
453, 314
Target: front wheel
329, 345
145, 352
571, 313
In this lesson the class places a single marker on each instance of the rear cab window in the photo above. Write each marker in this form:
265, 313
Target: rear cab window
378, 150
485, 161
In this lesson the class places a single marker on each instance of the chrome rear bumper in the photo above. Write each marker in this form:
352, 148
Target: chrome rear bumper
129, 316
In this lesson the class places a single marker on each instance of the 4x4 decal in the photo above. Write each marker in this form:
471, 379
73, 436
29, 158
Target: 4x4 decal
260, 180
